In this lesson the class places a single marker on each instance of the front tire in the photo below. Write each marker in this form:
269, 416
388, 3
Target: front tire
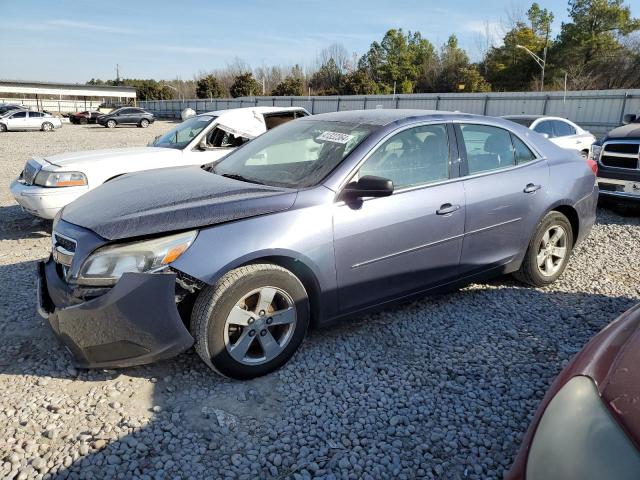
144, 123
251, 321
47, 127
3, 127
548, 252
111, 124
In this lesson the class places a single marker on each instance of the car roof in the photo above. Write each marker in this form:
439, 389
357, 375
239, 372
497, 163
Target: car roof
262, 110
382, 117
525, 117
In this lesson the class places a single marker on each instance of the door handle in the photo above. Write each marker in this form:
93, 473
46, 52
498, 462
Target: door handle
447, 208
531, 188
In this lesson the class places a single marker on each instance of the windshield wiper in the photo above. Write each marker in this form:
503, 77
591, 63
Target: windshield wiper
235, 176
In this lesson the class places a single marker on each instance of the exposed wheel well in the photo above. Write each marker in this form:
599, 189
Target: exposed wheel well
571, 214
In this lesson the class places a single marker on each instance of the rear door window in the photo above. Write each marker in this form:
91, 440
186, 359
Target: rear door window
563, 129
545, 127
522, 152
487, 148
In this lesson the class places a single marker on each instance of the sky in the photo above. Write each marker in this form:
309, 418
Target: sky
74, 40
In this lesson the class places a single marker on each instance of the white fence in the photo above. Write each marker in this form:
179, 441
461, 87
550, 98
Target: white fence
595, 110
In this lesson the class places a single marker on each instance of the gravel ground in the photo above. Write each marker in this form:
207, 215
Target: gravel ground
439, 388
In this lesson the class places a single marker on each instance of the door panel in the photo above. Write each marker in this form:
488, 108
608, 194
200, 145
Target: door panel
503, 203
18, 121
389, 246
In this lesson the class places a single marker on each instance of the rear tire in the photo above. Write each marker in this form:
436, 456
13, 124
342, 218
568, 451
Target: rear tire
236, 322
144, 123
111, 124
47, 127
548, 252
83, 121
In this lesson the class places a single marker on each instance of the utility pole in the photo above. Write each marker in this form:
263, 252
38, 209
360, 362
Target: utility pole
117, 74
542, 62
544, 55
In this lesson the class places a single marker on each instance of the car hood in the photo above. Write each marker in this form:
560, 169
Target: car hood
171, 199
93, 158
612, 360
631, 130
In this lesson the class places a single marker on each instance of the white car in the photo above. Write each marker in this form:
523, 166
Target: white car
48, 184
27, 120
560, 131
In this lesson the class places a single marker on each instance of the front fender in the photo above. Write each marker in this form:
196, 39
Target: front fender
304, 235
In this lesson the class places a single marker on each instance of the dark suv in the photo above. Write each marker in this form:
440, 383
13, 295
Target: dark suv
618, 157
126, 116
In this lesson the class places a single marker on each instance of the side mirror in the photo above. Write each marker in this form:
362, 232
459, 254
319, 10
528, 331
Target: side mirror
545, 135
629, 118
368, 186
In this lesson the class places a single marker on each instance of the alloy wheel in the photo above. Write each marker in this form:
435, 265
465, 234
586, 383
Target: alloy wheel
552, 250
260, 325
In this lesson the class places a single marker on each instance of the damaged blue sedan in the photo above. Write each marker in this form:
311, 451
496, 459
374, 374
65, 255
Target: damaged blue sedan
317, 220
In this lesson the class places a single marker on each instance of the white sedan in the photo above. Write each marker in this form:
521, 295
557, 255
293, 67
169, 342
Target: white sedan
27, 120
48, 184
560, 131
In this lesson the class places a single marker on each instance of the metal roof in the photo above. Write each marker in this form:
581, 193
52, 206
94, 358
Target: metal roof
75, 89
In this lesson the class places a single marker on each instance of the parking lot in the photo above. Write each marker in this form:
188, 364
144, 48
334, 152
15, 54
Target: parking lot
443, 387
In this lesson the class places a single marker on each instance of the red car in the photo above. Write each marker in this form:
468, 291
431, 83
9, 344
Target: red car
588, 424
82, 118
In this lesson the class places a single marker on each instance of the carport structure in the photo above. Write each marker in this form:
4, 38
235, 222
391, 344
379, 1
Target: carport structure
63, 97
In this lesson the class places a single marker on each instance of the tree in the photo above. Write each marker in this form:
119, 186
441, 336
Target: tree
290, 86
594, 30
209, 87
244, 85
326, 81
398, 59
358, 83
510, 67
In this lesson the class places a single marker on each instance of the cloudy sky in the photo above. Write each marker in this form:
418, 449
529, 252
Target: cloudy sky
73, 40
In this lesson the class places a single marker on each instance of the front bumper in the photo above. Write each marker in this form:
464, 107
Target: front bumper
619, 189
44, 202
133, 323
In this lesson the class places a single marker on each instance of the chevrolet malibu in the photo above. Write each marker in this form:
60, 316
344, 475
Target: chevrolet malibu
320, 219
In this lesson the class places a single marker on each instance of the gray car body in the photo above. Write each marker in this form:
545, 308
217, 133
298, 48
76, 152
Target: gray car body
350, 256
393, 246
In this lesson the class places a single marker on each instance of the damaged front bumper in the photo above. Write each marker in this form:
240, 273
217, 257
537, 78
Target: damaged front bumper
135, 322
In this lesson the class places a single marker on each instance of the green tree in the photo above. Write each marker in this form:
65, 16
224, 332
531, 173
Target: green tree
326, 81
358, 83
209, 87
399, 59
290, 86
244, 85
594, 31
510, 67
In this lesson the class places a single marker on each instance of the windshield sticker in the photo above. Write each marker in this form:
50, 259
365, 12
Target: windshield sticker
335, 137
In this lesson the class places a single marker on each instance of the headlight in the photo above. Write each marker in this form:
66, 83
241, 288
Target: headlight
594, 152
577, 437
106, 265
60, 179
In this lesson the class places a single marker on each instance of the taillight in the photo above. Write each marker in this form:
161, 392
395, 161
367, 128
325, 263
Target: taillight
593, 165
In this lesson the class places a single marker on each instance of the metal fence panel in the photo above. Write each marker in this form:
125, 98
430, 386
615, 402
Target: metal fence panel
597, 110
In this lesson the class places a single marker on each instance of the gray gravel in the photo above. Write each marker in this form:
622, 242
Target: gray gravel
439, 388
